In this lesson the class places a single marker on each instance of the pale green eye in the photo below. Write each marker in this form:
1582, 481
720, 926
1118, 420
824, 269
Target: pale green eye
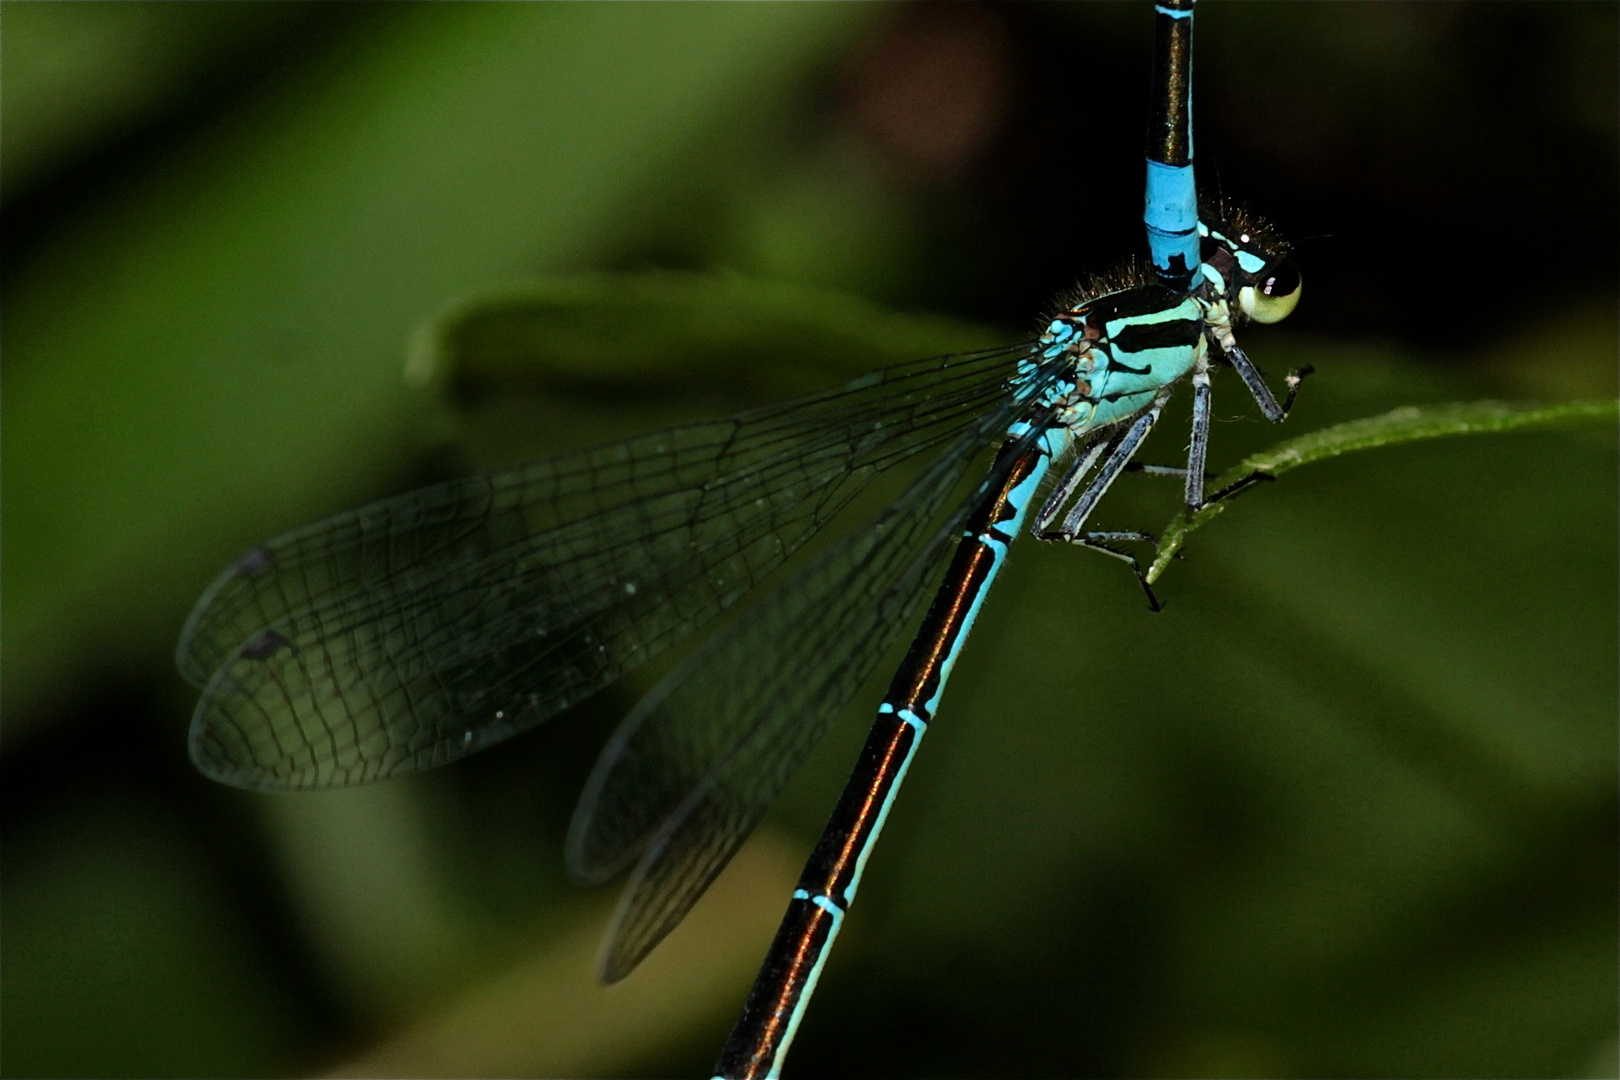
1273, 296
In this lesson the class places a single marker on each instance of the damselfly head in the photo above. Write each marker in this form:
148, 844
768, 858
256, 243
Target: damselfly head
1274, 293
1243, 259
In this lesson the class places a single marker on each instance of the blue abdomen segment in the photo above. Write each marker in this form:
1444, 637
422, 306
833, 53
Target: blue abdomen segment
1171, 207
1170, 212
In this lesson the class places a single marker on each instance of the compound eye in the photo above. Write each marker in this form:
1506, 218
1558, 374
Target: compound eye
1274, 294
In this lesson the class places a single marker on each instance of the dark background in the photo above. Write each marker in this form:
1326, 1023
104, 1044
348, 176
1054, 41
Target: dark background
1348, 807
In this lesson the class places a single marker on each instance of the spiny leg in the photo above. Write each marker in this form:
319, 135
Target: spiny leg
1084, 460
1236, 486
1119, 449
1293, 380
1094, 541
1256, 382
1198, 449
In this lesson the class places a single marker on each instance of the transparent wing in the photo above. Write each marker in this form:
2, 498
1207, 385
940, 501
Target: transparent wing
697, 762
407, 633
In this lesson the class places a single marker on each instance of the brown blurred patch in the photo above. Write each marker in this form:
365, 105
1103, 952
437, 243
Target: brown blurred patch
931, 90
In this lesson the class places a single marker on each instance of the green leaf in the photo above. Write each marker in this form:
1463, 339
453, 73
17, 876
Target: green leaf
211, 353
663, 330
1410, 423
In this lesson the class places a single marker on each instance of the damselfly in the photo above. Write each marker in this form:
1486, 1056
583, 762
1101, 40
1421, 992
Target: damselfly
413, 631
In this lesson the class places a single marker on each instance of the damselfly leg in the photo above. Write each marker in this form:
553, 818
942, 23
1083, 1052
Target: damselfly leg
1116, 452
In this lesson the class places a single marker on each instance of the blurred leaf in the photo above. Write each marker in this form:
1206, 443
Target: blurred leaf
79, 75
371, 893
566, 362
214, 353
1410, 423
114, 934
649, 334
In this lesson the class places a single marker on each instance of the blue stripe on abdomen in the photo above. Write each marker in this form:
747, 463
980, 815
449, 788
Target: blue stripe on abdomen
997, 538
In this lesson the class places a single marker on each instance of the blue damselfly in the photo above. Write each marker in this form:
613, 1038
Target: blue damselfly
411, 632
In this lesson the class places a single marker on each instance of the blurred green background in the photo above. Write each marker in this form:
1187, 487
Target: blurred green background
1347, 808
